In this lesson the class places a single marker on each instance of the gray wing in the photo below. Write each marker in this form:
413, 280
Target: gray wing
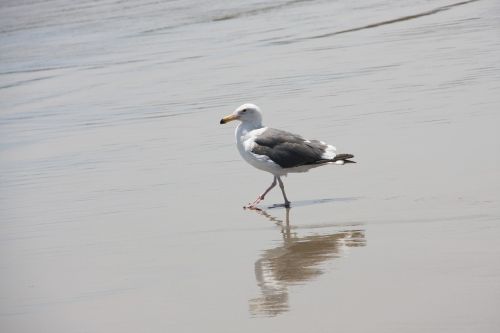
288, 150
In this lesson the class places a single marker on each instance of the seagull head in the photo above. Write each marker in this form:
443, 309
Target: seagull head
246, 113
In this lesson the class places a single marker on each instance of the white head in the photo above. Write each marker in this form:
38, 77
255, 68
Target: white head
246, 113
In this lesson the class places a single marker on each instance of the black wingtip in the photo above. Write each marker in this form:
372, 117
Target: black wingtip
343, 157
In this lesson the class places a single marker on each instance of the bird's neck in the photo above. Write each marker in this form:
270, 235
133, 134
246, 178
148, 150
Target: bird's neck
245, 127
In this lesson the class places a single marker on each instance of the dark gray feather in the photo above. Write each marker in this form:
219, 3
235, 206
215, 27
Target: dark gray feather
343, 157
288, 150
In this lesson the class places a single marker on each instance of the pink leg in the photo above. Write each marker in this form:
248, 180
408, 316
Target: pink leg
261, 197
282, 187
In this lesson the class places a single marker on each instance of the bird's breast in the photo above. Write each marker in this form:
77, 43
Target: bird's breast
246, 142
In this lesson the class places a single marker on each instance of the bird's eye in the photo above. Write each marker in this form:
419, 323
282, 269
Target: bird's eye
244, 110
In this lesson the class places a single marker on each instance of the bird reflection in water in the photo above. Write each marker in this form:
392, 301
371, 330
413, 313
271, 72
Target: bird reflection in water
296, 261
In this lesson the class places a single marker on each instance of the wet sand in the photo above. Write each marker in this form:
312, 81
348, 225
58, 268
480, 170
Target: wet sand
121, 195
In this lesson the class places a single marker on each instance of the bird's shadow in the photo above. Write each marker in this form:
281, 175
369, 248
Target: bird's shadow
305, 203
297, 259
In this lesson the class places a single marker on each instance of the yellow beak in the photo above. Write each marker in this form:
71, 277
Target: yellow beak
229, 118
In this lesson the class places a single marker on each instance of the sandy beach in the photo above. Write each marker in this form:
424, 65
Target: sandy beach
121, 195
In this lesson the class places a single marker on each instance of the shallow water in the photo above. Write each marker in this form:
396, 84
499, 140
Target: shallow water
121, 195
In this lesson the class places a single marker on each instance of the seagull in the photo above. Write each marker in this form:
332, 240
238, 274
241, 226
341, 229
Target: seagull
278, 152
